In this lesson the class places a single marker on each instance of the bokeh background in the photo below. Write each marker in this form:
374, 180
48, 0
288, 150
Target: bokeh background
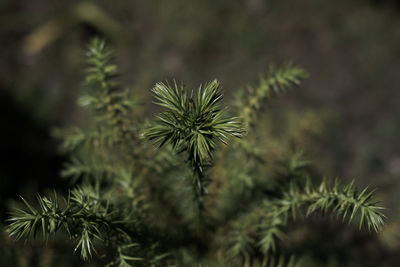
352, 99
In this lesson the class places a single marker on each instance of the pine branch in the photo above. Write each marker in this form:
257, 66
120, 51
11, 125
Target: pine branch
104, 96
192, 124
84, 217
264, 225
345, 201
100, 70
111, 129
277, 80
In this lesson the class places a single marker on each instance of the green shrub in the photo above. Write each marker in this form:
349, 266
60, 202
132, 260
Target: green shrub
209, 195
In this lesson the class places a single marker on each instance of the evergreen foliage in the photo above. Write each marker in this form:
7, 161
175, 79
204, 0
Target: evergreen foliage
277, 80
192, 124
140, 206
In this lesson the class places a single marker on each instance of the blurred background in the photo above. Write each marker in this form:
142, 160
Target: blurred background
352, 99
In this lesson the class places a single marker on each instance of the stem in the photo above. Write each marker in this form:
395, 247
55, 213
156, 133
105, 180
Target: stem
199, 184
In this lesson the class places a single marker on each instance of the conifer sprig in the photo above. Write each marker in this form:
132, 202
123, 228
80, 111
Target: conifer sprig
275, 81
101, 70
193, 122
105, 97
84, 216
265, 223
